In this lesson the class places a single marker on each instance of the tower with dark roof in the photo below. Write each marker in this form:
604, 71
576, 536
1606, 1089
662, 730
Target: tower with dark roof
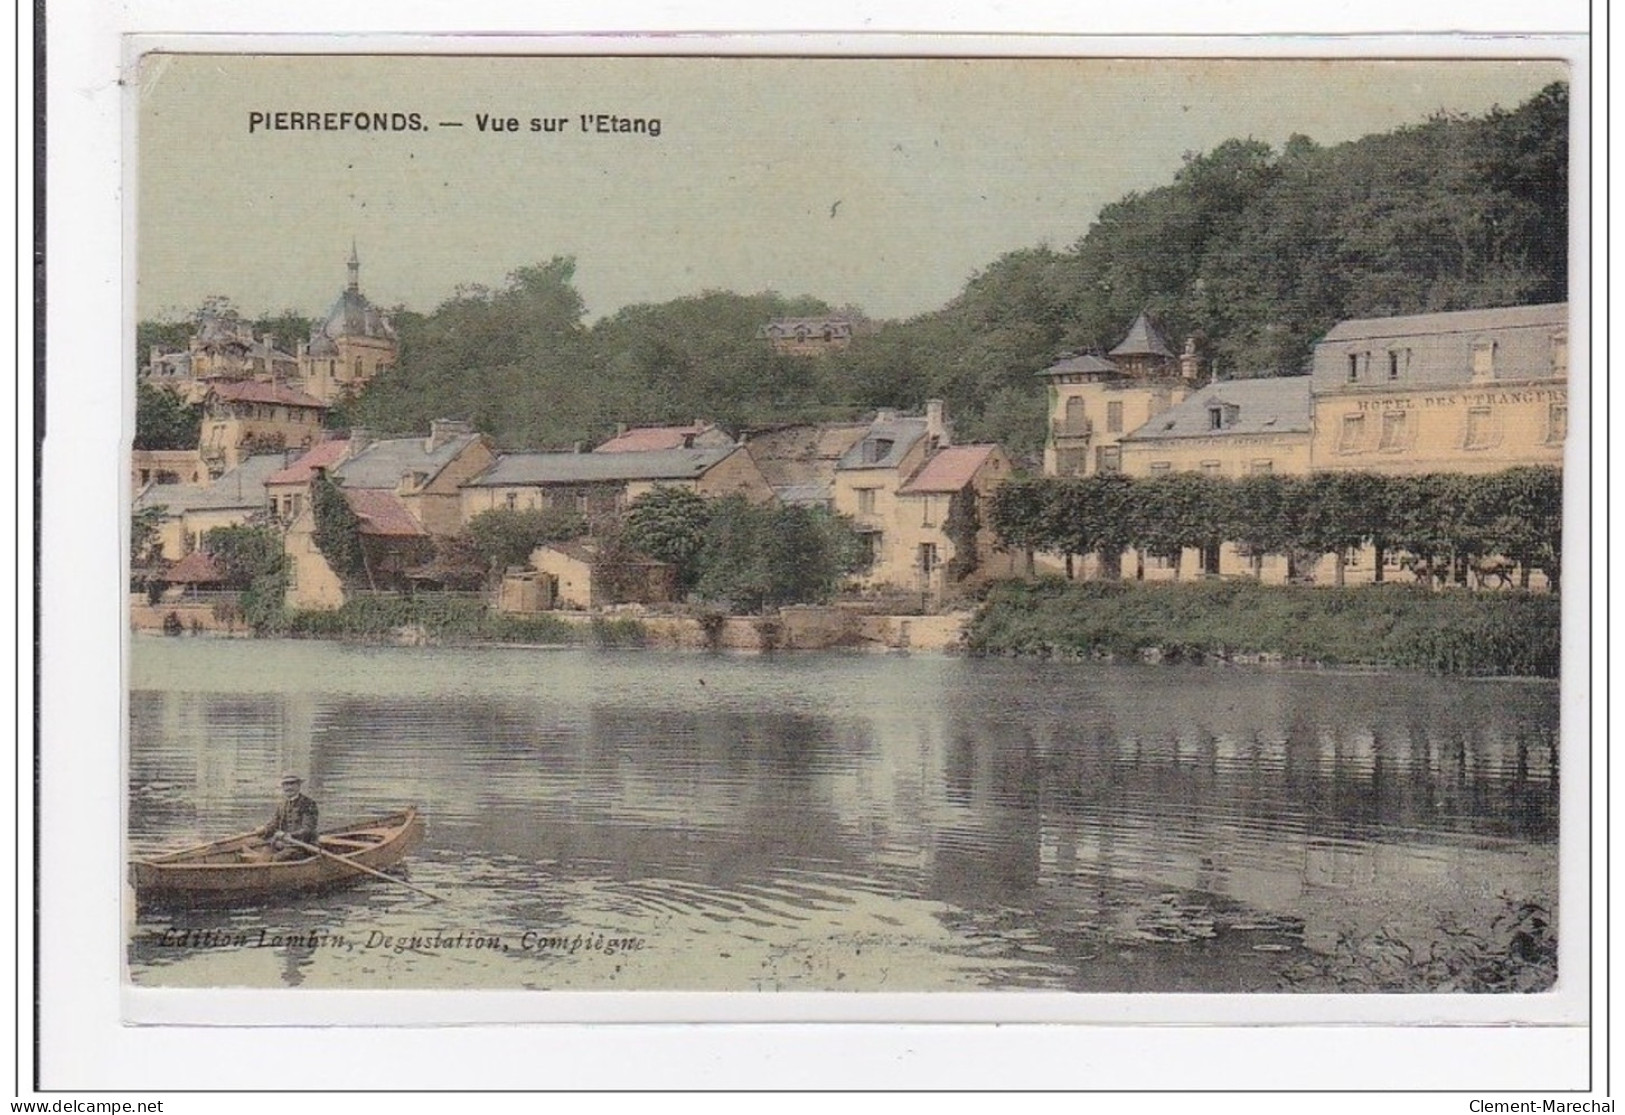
351, 346
1144, 354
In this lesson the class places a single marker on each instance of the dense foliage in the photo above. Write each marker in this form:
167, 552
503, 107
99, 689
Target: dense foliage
338, 530
1253, 251
1401, 626
1450, 524
502, 538
251, 559
164, 421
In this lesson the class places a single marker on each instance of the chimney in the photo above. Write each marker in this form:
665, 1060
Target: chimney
688, 440
360, 438
885, 414
576, 448
936, 424
620, 429
1190, 365
442, 430
269, 341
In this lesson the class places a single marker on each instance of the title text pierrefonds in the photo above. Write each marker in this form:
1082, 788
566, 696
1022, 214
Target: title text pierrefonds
586, 123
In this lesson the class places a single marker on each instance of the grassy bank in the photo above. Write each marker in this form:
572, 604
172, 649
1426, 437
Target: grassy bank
449, 619
1502, 633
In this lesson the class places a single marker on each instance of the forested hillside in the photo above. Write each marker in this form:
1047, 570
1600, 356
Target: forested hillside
1254, 251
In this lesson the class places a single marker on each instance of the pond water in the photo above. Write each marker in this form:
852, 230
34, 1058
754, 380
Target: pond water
665, 820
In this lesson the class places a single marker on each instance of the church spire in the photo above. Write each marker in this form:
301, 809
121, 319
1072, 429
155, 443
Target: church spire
355, 267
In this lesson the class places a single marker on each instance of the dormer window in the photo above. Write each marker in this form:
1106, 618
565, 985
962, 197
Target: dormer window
1483, 359
876, 449
1560, 354
1215, 418
1354, 367
1393, 363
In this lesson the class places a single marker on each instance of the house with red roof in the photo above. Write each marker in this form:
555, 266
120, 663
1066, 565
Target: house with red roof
243, 418
645, 439
942, 538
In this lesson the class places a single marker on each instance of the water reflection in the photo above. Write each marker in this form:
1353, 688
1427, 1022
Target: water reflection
844, 821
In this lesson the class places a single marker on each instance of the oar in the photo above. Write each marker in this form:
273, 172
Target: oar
158, 858
361, 867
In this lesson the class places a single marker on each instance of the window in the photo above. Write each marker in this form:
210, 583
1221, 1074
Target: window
1071, 462
928, 511
1557, 423
928, 556
1076, 422
298, 504
866, 501
1211, 468
1215, 418
1108, 458
1114, 418
1354, 367
512, 500
1352, 435
1393, 363
1483, 359
875, 450
1161, 466
1560, 354
1394, 429
868, 549
1480, 431
1261, 468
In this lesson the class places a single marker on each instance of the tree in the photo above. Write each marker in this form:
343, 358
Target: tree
669, 524
163, 420
338, 530
1177, 512
503, 537
1019, 516
253, 561
763, 556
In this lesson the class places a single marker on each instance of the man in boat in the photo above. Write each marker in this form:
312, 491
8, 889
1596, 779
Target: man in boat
295, 820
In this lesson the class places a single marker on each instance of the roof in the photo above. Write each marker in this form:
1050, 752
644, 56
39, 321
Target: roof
1274, 405
1143, 340
520, 469
1550, 315
803, 454
325, 454
241, 487
196, 568
589, 552
383, 463
1086, 364
647, 438
804, 495
382, 513
352, 316
950, 470
871, 452
253, 391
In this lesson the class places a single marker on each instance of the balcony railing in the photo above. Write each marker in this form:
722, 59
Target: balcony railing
1075, 429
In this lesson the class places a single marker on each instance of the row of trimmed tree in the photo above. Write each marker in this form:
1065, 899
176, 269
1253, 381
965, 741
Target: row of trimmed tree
1447, 524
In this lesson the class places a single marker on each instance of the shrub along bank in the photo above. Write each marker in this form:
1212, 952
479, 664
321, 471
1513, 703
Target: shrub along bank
1503, 633
449, 618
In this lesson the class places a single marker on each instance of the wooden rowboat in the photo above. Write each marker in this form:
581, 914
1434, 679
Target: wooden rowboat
222, 872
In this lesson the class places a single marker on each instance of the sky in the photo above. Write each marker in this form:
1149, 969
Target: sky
880, 183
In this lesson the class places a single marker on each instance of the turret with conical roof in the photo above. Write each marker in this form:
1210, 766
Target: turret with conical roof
1144, 354
351, 345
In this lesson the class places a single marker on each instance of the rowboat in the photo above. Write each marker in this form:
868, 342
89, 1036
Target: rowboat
226, 871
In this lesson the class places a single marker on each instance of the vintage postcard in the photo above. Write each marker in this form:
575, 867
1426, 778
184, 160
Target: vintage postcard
855, 524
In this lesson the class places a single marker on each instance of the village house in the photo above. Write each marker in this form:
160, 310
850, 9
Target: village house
426, 473
808, 336
867, 480
1471, 391
943, 519
799, 460
287, 491
244, 418
578, 575
393, 544
222, 347
190, 511
165, 466
644, 439
601, 484
1094, 401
